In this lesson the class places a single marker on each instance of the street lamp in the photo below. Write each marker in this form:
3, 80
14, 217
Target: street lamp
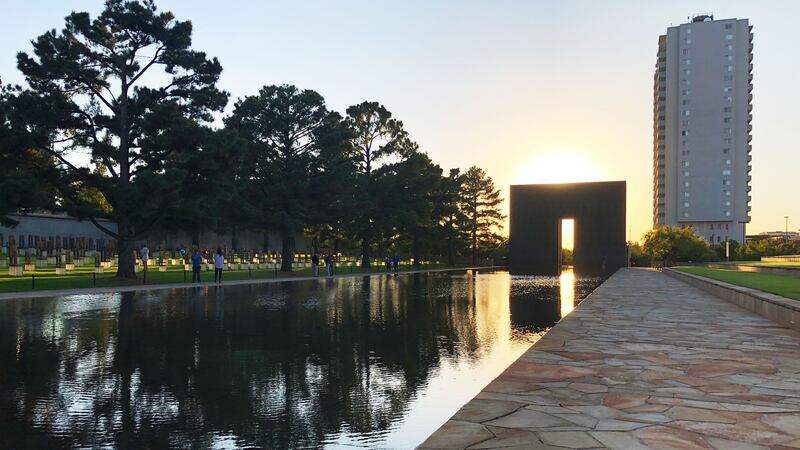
786, 235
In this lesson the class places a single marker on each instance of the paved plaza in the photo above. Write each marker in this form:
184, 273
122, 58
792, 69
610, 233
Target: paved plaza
646, 361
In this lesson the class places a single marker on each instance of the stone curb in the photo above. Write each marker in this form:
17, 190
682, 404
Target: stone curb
781, 310
789, 271
156, 287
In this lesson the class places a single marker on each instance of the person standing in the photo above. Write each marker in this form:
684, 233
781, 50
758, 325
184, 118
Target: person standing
396, 262
388, 264
145, 254
329, 262
315, 264
197, 262
219, 264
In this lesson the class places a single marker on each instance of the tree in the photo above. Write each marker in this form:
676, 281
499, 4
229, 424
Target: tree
94, 71
26, 174
283, 127
377, 139
670, 244
415, 195
452, 216
480, 204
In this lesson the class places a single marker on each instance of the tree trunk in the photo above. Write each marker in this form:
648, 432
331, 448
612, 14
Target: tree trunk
415, 249
126, 262
287, 252
450, 259
474, 248
364, 253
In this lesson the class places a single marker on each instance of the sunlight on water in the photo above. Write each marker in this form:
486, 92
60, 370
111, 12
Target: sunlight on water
567, 291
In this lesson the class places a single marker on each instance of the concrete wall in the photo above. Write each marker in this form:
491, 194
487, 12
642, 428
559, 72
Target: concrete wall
536, 212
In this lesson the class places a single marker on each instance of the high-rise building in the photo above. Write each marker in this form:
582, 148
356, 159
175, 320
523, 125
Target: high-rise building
701, 127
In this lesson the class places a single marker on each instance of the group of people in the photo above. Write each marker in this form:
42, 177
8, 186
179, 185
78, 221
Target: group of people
392, 263
197, 258
330, 263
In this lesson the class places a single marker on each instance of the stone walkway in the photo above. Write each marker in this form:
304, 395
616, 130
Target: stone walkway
646, 361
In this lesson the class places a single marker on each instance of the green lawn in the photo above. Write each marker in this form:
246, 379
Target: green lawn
83, 277
782, 285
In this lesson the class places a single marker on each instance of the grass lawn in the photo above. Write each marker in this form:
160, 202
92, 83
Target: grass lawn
82, 277
782, 285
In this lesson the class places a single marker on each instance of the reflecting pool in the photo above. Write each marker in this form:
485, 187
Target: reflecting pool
376, 361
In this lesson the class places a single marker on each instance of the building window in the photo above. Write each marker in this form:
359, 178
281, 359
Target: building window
729, 57
685, 204
687, 72
685, 112
685, 123
684, 152
728, 37
726, 172
687, 61
729, 47
688, 31
686, 173
686, 193
727, 140
687, 82
726, 226
686, 164
727, 193
729, 68
726, 150
727, 78
727, 213
727, 109
727, 131
685, 92
685, 133
728, 26
685, 102
685, 184
729, 99
726, 120
686, 51
727, 203
728, 162
726, 182
685, 214
727, 89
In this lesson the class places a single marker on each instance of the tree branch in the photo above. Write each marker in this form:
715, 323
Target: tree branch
147, 66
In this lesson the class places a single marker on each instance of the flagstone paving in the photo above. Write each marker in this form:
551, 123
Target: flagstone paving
645, 361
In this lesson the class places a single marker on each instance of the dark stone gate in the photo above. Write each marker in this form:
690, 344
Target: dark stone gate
536, 212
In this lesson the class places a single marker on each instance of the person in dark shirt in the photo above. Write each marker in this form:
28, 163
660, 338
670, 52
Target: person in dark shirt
315, 264
197, 262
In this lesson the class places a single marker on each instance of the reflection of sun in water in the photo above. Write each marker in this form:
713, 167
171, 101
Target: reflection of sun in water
567, 284
559, 166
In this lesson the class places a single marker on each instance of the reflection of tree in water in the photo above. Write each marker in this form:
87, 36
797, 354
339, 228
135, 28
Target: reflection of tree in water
274, 365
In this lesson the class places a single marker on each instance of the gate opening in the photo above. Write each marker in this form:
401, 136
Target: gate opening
567, 242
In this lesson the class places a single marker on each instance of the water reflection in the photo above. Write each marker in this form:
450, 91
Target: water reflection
375, 361
566, 284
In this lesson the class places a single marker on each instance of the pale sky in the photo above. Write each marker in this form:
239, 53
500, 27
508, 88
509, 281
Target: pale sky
519, 88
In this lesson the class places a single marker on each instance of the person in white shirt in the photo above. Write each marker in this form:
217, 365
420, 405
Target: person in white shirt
219, 264
145, 254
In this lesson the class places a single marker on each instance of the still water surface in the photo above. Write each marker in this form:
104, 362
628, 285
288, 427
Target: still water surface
375, 362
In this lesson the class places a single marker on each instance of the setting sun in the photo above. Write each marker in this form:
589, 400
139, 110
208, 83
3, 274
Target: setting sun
559, 166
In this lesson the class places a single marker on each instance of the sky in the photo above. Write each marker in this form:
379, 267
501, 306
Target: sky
531, 91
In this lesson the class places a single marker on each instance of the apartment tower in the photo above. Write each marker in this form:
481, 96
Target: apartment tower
701, 127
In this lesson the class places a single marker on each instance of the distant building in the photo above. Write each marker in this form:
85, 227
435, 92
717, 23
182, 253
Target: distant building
790, 236
701, 127
54, 228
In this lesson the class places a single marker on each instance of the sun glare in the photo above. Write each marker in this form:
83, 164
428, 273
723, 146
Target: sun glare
559, 166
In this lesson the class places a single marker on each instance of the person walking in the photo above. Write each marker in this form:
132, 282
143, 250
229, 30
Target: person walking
388, 264
315, 263
219, 264
396, 262
197, 261
145, 254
